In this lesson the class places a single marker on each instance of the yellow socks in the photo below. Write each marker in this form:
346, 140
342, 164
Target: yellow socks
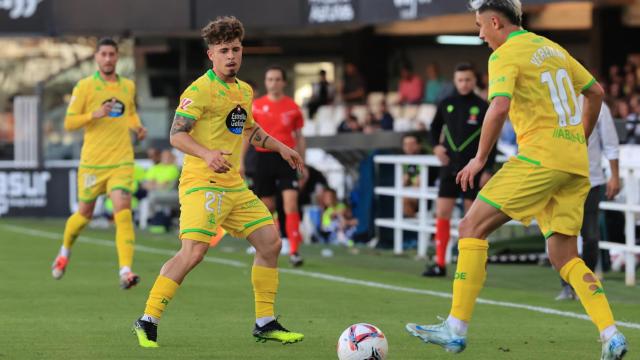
590, 292
75, 224
469, 278
125, 237
161, 293
265, 287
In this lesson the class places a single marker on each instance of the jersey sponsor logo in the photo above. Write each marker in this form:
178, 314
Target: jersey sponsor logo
236, 120
118, 108
20, 8
569, 135
184, 104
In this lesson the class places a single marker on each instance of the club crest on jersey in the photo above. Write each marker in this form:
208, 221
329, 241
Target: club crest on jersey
118, 108
473, 115
184, 104
236, 119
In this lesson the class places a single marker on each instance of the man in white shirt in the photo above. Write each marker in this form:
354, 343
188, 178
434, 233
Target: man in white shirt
602, 142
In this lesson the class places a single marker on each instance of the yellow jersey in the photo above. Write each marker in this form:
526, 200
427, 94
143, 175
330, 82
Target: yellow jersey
107, 141
543, 82
222, 112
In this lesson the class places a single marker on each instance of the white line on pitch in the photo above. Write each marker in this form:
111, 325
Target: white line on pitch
317, 275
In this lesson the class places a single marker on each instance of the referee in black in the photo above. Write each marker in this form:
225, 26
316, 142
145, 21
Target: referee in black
455, 134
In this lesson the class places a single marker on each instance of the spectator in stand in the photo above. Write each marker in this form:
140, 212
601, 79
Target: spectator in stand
161, 184
153, 153
410, 86
321, 94
353, 86
633, 120
371, 125
349, 125
337, 223
621, 109
384, 117
411, 173
615, 92
630, 83
436, 87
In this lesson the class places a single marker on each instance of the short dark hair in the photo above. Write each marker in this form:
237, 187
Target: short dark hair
278, 68
222, 30
511, 9
412, 135
464, 66
106, 41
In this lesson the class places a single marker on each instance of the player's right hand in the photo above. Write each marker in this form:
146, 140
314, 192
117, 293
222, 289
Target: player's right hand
216, 161
441, 153
104, 110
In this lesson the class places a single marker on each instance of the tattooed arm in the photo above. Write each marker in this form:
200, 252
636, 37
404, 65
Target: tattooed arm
181, 140
258, 137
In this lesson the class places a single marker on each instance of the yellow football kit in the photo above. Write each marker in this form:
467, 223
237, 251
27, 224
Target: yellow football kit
106, 161
207, 199
548, 179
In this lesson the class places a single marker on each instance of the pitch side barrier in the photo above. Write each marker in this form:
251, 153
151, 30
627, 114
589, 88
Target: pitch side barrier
424, 223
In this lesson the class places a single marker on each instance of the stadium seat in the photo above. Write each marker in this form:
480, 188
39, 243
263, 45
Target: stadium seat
426, 113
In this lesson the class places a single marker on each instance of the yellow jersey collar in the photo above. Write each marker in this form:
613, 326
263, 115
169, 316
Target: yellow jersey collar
212, 75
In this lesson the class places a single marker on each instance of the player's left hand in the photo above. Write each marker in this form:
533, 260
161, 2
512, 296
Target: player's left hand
613, 187
141, 133
293, 158
465, 176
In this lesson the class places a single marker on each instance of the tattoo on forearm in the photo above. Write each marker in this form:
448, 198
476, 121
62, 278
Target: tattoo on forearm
253, 133
264, 141
258, 138
181, 124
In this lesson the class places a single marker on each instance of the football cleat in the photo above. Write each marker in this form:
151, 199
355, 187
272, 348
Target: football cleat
147, 333
615, 348
129, 280
440, 334
275, 332
567, 293
296, 260
59, 266
435, 271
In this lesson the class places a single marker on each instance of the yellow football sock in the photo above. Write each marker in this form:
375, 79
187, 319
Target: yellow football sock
589, 290
469, 277
161, 293
265, 287
125, 237
75, 224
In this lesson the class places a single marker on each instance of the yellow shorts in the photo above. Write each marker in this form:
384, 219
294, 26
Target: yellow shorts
524, 190
95, 181
203, 207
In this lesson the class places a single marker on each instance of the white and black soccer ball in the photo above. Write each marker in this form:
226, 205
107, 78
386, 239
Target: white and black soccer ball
362, 342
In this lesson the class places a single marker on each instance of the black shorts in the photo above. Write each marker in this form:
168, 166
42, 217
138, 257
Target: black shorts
273, 175
449, 189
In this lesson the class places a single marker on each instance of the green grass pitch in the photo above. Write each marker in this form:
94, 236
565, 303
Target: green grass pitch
86, 316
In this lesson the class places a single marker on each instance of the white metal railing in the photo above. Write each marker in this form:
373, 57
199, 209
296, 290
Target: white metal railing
422, 226
630, 176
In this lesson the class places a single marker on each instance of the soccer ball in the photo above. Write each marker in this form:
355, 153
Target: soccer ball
362, 342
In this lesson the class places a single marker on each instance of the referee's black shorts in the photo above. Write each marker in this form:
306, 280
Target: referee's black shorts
449, 189
273, 175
